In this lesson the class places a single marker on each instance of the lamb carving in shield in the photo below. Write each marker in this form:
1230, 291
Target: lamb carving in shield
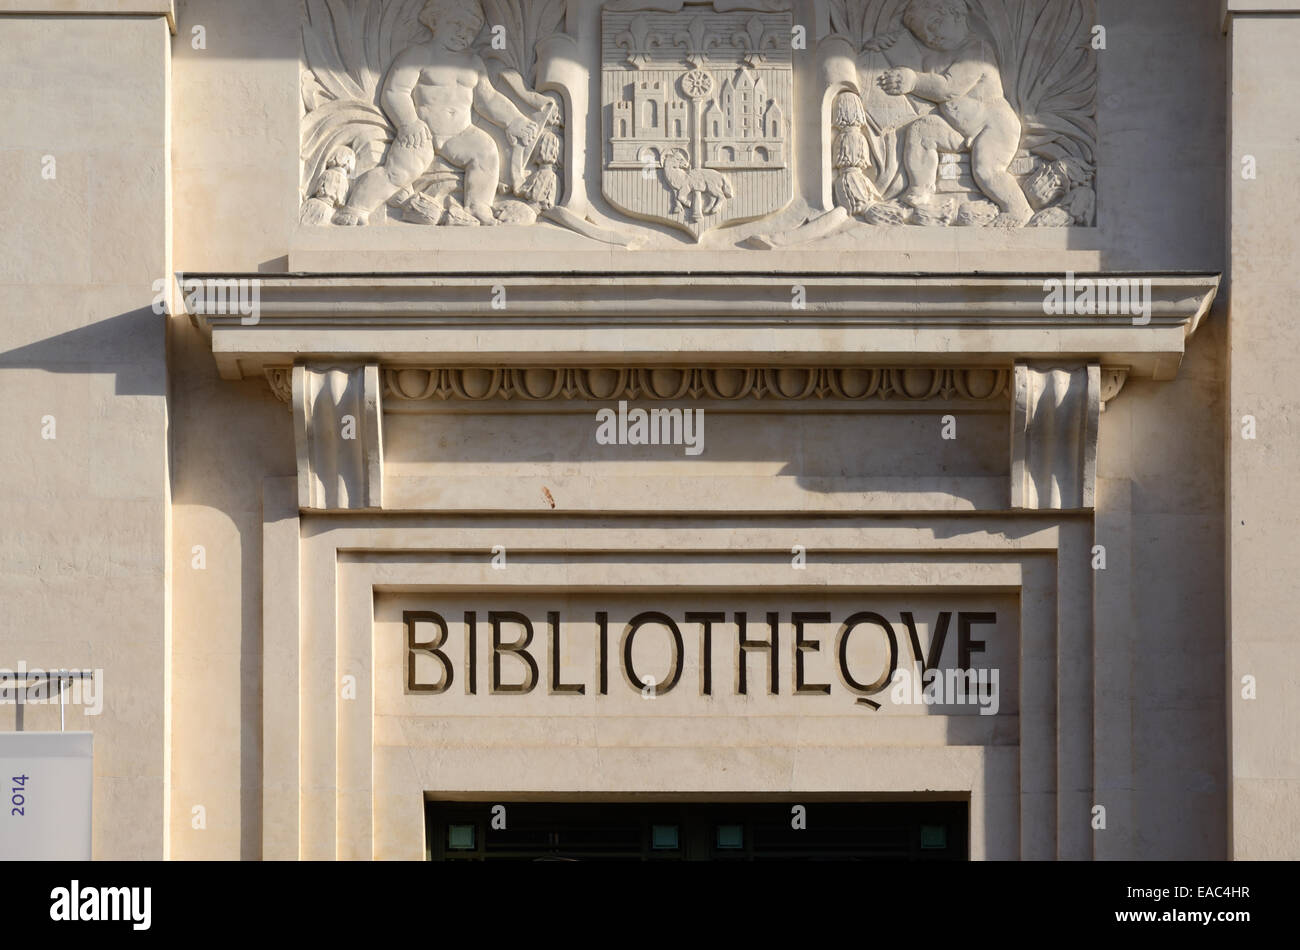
696, 105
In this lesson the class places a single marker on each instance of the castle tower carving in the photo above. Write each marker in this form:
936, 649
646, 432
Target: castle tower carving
744, 127
648, 122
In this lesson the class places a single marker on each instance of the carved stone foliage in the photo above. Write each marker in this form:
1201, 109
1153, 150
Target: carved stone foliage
482, 384
696, 106
963, 112
415, 114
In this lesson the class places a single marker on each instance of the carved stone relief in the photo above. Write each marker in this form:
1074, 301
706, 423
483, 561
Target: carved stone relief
936, 113
730, 383
696, 106
479, 384
413, 114
963, 112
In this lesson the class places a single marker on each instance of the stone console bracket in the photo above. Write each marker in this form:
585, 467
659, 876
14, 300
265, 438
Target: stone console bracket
335, 346
338, 433
1054, 422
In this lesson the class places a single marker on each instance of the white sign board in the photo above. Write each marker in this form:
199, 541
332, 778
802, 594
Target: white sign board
48, 782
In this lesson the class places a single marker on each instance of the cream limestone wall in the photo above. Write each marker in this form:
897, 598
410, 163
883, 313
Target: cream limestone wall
1160, 612
242, 93
276, 778
84, 492
128, 455
1261, 530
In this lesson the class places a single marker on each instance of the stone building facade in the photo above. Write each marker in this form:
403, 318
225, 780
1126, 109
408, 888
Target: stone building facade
419, 405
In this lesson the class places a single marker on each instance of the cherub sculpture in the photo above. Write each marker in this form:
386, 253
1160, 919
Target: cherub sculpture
432, 94
959, 73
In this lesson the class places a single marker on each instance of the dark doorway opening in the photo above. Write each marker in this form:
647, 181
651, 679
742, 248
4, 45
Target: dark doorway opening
697, 831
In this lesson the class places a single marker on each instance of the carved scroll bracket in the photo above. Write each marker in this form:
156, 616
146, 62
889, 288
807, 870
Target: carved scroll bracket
1055, 412
338, 432
1113, 379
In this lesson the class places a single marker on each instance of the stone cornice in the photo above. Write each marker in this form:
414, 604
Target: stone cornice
1232, 8
694, 320
84, 8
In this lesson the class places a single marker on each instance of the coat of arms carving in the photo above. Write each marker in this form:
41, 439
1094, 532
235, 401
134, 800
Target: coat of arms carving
696, 103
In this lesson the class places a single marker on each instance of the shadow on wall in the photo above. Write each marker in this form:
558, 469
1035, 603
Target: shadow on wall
228, 437
813, 445
114, 345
